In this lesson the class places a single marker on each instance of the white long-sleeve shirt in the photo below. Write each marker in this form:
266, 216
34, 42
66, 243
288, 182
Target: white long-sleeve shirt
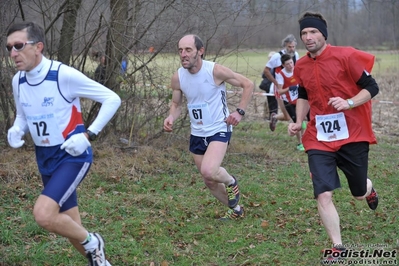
47, 100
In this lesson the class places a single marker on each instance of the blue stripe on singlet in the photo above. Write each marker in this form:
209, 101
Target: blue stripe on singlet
52, 75
22, 80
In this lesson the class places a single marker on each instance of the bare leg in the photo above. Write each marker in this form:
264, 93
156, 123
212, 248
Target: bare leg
74, 214
299, 137
284, 115
47, 215
329, 216
215, 177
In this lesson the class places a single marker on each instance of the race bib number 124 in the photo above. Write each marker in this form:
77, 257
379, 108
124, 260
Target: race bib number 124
331, 127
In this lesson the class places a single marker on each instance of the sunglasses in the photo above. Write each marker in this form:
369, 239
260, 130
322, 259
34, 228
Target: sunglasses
19, 46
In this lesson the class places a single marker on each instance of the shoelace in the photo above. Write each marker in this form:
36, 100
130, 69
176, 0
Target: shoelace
230, 193
96, 254
230, 214
371, 197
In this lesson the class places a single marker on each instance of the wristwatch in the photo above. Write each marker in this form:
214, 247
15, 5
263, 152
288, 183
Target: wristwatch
351, 103
240, 111
92, 136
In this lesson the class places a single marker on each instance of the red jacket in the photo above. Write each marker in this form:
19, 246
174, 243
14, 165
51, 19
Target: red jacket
334, 73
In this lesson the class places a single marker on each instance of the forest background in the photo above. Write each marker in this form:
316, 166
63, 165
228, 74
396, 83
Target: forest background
146, 33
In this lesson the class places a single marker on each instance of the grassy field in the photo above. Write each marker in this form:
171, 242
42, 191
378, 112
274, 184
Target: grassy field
152, 207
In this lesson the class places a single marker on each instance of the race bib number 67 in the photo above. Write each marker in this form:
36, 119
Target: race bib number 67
331, 127
199, 114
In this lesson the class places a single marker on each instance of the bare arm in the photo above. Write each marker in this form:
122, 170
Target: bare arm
302, 108
369, 90
342, 104
269, 76
224, 74
281, 91
362, 97
175, 107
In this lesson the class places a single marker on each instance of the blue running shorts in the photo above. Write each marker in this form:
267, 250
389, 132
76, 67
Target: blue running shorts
198, 145
61, 185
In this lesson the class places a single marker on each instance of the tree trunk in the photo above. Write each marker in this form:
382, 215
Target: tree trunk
116, 42
68, 31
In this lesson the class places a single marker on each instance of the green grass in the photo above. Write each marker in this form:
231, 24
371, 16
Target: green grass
151, 205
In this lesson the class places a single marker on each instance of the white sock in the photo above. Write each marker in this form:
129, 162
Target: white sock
232, 181
90, 243
237, 208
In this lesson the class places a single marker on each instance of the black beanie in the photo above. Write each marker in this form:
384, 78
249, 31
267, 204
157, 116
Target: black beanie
313, 22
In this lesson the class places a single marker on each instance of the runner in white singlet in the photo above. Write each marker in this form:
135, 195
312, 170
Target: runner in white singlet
47, 98
203, 83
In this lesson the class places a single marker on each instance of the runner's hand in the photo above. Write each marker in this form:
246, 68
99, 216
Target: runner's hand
76, 144
14, 137
294, 128
168, 124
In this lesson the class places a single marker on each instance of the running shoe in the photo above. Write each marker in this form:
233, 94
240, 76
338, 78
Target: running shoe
273, 122
233, 194
300, 147
106, 263
96, 257
232, 214
372, 199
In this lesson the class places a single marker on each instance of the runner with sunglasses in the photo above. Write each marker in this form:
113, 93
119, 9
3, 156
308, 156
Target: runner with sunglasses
18, 46
47, 98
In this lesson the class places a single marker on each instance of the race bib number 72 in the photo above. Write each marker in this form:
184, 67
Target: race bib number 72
331, 127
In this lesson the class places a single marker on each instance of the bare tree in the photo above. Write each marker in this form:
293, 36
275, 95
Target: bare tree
145, 32
65, 45
8, 11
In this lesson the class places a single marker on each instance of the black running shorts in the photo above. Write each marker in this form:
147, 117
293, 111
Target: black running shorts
351, 158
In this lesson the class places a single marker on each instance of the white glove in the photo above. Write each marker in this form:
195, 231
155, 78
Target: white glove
76, 144
14, 137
